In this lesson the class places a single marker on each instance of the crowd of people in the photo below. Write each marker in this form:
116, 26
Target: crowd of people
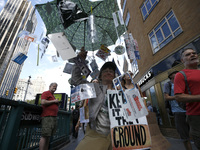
98, 135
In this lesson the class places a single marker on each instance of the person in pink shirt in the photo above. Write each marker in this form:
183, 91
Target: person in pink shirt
190, 60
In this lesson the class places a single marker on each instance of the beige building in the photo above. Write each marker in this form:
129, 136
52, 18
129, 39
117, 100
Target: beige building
36, 86
162, 29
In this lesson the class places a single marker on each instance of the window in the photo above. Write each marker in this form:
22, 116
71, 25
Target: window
127, 18
124, 5
164, 32
147, 7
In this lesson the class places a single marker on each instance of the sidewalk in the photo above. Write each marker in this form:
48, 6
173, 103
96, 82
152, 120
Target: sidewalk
176, 144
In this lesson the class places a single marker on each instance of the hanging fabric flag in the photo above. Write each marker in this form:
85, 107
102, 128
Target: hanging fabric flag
31, 37
54, 58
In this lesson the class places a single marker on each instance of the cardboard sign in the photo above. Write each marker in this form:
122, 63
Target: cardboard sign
83, 91
126, 132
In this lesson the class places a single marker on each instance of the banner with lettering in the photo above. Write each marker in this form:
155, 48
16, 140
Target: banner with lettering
127, 133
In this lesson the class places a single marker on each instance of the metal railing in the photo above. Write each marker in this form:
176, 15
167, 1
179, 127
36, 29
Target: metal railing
20, 126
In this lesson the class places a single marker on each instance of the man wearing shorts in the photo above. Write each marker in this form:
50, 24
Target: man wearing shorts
49, 116
190, 60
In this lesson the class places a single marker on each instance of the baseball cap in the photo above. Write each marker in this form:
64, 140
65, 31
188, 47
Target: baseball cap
171, 72
110, 65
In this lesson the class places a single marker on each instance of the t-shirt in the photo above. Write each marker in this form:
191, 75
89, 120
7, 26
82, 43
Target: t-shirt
193, 79
49, 110
103, 121
174, 104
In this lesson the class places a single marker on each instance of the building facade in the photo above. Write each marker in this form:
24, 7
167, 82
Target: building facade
16, 15
162, 29
35, 86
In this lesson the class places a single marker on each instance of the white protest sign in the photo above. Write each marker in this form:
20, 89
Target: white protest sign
126, 133
83, 91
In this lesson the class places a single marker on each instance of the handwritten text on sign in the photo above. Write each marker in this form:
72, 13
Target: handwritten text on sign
125, 131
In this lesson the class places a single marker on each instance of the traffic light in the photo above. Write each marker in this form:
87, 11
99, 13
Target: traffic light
15, 91
7, 92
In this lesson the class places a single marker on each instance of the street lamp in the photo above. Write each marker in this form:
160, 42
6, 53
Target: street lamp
27, 87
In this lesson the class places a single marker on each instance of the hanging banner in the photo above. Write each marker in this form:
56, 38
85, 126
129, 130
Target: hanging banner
103, 53
126, 132
83, 91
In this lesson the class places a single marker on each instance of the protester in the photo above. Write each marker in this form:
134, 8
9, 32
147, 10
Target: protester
179, 114
49, 116
75, 118
98, 129
190, 60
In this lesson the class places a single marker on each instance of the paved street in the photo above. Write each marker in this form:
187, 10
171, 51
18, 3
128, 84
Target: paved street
176, 144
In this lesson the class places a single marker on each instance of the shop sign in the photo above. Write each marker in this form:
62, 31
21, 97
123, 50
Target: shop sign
145, 78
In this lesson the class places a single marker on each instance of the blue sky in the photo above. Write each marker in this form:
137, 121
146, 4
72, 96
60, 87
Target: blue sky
49, 70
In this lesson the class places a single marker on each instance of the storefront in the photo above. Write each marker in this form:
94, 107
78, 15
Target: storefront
152, 83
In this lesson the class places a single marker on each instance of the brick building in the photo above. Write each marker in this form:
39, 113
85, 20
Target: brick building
162, 29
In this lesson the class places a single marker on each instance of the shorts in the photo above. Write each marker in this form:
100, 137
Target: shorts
95, 140
194, 122
49, 126
181, 125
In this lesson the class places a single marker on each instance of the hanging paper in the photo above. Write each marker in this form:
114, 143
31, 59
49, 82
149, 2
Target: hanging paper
126, 133
19, 58
83, 91
93, 65
54, 58
62, 45
68, 68
95, 74
125, 68
130, 48
137, 54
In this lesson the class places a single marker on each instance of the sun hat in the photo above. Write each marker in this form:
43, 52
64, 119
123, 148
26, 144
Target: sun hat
110, 65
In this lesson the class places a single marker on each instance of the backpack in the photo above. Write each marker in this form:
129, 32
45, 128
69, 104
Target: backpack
75, 114
167, 103
183, 104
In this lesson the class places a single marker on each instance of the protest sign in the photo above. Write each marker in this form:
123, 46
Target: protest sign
83, 91
126, 132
